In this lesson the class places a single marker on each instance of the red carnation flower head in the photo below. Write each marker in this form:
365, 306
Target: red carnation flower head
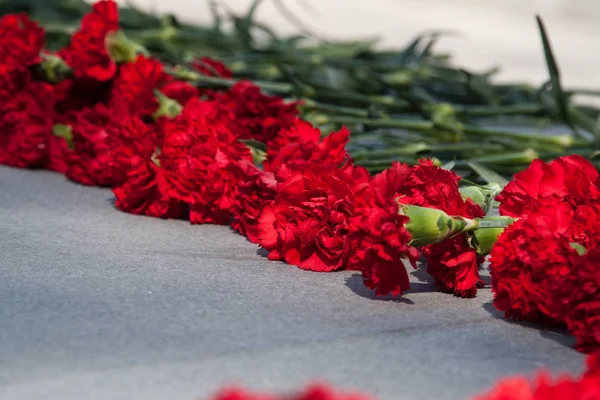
302, 143
196, 152
21, 41
87, 54
582, 223
138, 173
183, 92
211, 67
593, 366
72, 96
315, 391
517, 388
88, 159
26, 126
543, 387
378, 239
526, 263
254, 115
307, 222
322, 391
542, 272
255, 189
453, 263
583, 302
571, 178
180, 91
133, 90
235, 393
59, 143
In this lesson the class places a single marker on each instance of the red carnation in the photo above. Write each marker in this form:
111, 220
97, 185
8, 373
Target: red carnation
544, 387
524, 261
325, 392
21, 41
58, 150
583, 316
183, 92
311, 392
88, 159
241, 394
307, 222
197, 150
302, 142
378, 239
134, 161
133, 89
254, 115
572, 178
254, 190
583, 226
86, 54
72, 96
539, 273
453, 263
211, 67
26, 125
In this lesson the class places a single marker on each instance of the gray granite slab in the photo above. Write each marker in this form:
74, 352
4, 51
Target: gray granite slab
98, 304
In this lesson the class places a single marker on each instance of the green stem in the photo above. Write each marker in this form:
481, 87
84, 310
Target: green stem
386, 102
209, 82
419, 147
523, 157
487, 111
565, 140
493, 222
313, 105
429, 127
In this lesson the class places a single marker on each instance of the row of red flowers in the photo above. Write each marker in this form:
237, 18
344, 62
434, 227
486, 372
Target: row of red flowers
170, 150
586, 387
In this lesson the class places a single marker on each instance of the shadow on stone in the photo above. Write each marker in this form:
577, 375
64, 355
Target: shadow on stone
422, 275
487, 280
355, 283
262, 252
557, 334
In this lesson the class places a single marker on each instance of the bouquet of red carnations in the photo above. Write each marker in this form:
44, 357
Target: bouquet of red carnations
544, 387
190, 142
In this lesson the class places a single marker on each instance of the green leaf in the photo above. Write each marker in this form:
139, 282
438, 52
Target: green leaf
64, 131
558, 93
255, 144
449, 166
487, 174
578, 248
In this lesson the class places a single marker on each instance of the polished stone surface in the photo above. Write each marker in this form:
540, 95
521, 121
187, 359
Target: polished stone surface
98, 304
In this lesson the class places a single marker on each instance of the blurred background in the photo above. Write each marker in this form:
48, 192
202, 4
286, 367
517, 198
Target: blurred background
487, 32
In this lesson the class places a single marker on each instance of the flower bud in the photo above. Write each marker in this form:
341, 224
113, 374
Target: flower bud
65, 132
258, 156
429, 225
167, 107
483, 196
121, 49
578, 248
484, 239
52, 69
258, 150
